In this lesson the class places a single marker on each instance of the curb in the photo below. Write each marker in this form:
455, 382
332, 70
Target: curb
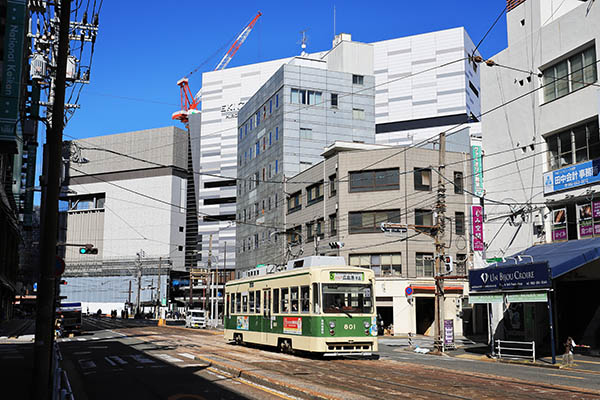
262, 380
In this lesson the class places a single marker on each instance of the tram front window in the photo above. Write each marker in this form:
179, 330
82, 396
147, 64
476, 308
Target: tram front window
354, 299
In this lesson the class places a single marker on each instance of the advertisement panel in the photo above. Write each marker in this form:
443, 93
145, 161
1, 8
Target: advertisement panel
242, 323
292, 325
559, 224
477, 161
477, 228
520, 276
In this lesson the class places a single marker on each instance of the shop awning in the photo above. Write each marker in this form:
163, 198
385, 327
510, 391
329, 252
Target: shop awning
562, 257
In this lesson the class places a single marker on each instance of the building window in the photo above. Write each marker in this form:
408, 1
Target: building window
255, 210
180, 248
473, 89
181, 229
277, 100
370, 221
333, 224
276, 166
372, 180
422, 179
357, 79
270, 138
358, 113
256, 240
256, 179
313, 229
276, 133
258, 118
578, 144
423, 217
571, 74
459, 223
241, 133
387, 264
334, 100
270, 106
460, 264
458, 182
302, 96
332, 185
424, 263
295, 202
314, 193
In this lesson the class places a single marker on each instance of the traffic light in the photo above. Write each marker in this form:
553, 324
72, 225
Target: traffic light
88, 249
336, 245
62, 282
448, 265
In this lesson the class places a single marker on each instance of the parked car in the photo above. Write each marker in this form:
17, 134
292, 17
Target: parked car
195, 319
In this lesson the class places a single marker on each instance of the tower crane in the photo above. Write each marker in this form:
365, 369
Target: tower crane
189, 103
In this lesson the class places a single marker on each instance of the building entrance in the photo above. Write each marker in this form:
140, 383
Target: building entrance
425, 312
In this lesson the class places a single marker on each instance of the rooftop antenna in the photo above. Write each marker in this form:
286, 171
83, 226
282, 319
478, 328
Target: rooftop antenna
303, 43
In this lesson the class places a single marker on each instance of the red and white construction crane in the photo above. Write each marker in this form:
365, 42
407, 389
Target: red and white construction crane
189, 103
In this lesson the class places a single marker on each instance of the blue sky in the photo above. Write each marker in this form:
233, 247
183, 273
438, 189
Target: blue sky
144, 47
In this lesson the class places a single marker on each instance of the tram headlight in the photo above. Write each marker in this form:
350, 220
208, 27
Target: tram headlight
367, 324
332, 324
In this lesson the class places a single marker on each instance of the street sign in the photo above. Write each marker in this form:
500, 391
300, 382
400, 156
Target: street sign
59, 266
391, 229
408, 291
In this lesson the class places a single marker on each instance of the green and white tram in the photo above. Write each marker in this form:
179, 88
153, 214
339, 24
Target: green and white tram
317, 304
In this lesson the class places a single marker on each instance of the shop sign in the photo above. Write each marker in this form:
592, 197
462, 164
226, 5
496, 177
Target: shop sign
538, 297
477, 228
520, 276
477, 170
559, 224
448, 332
572, 176
292, 325
485, 298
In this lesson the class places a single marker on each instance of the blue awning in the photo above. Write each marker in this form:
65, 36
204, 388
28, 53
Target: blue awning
562, 257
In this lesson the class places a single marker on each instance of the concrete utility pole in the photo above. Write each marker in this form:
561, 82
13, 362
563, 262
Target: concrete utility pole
439, 245
139, 281
43, 371
209, 270
158, 302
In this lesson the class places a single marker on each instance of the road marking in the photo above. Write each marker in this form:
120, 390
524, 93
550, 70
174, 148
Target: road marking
119, 360
98, 347
141, 359
210, 371
78, 353
187, 355
169, 358
567, 376
111, 362
81, 339
266, 389
86, 364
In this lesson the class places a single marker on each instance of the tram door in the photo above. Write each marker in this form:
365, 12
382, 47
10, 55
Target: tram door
266, 315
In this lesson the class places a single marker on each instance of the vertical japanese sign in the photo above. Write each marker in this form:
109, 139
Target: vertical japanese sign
584, 220
477, 228
559, 224
477, 163
10, 89
449, 332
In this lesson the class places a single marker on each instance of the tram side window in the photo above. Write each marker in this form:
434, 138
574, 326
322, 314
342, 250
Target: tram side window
251, 302
258, 301
238, 303
275, 301
294, 292
245, 303
227, 302
316, 305
285, 300
304, 299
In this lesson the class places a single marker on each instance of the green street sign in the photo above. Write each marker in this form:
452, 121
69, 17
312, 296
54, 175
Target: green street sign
485, 298
539, 297
493, 260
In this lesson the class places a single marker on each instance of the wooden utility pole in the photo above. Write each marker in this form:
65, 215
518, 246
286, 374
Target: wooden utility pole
439, 245
43, 368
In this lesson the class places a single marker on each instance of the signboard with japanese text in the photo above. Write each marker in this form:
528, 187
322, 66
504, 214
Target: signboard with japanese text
519, 276
477, 162
585, 222
448, 332
571, 177
559, 224
346, 276
477, 228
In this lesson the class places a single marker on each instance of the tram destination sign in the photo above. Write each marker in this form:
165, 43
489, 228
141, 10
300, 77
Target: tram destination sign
520, 276
346, 276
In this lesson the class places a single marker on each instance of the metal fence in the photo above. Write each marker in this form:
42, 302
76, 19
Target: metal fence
514, 349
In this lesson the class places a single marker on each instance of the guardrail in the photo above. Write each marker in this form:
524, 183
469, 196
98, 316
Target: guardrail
61, 389
514, 349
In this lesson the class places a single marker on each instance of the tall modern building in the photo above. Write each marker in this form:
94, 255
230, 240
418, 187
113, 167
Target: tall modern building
542, 164
282, 130
424, 84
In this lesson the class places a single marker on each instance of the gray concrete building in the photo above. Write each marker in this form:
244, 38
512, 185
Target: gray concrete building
126, 195
346, 197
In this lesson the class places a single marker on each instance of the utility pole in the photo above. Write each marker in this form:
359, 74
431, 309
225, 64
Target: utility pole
139, 281
158, 302
43, 371
439, 245
209, 270
129, 298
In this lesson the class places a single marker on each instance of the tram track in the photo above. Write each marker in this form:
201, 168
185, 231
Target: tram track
343, 376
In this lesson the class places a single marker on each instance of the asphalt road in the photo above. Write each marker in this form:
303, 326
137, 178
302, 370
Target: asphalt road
117, 359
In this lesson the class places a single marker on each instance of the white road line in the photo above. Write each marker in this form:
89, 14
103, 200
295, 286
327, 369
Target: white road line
78, 353
81, 339
187, 355
98, 347
169, 358
111, 362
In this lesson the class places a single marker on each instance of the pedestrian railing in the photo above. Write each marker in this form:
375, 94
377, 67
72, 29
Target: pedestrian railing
61, 388
514, 349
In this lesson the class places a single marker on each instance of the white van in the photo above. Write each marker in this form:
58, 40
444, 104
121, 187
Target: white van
195, 319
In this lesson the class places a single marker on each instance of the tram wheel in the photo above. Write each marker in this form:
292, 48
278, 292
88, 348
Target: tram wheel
237, 338
285, 346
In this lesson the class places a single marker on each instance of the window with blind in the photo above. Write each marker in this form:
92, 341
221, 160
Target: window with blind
571, 74
385, 264
370, 221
